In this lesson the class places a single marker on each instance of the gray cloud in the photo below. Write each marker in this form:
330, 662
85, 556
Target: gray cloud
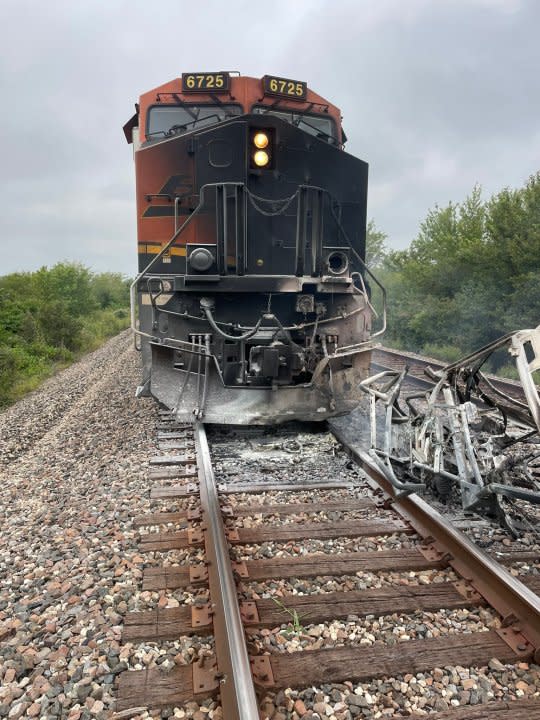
436, 96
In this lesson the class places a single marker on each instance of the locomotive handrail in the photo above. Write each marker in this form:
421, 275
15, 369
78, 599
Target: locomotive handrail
372, 276
300, 326
163, 250
253, 198
139, 277
353, 250
383, 291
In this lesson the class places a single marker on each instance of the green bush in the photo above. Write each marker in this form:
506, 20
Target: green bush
50, 317
445, 353
471, 275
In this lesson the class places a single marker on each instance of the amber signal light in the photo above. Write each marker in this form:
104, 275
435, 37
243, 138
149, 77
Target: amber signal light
261, 149
260, 140
261, 158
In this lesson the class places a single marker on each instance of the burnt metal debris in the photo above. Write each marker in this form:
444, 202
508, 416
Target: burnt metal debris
466, 435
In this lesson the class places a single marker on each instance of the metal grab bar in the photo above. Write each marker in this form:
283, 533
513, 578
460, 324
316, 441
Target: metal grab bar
164, 249
254, 199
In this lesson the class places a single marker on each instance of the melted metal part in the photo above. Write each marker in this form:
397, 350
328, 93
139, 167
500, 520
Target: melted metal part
463, 435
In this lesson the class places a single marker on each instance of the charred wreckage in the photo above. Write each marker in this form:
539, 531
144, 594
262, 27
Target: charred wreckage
466, 436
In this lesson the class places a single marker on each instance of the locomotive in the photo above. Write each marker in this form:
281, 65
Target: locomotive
251, 305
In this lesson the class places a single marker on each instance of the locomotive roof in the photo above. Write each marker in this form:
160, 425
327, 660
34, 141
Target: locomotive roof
246, 91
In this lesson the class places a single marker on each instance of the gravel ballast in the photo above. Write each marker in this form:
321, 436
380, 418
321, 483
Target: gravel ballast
292, 460
73, 474
73, 463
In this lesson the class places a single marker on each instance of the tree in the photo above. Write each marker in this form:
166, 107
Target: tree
376, 249
68, 283
48, 315
471, 274
110, 290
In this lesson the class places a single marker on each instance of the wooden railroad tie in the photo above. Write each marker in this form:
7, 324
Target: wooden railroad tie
155, 688
169, 623
159, 578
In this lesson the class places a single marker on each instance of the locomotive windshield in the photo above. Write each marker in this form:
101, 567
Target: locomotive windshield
166, 120
318, 125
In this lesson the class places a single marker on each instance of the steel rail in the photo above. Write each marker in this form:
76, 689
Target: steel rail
517, 604
236, 685
421, 382
510, 387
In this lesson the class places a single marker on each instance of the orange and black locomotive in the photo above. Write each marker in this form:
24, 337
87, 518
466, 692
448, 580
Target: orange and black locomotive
251, 292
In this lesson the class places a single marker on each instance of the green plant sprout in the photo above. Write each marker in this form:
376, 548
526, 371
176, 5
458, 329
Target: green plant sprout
295, 617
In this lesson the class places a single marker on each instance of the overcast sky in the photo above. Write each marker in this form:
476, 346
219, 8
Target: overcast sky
437, 95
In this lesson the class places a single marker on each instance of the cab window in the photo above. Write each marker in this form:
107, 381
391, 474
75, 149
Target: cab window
321, 126
165, 120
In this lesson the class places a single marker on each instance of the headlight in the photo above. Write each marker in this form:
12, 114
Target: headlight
260, 140
261, 158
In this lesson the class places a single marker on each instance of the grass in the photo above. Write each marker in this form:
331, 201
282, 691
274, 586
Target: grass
297, 626
25, 366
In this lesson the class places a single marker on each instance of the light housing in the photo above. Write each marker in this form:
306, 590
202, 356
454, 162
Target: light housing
337, 262
261, 148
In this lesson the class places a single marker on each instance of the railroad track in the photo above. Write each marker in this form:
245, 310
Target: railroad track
266, 530
384, 358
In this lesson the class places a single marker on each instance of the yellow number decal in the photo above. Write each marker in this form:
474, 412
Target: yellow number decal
273, 85
282, 85
210, 81
290, 88
299, 89
190, 81
200, 81
220, 82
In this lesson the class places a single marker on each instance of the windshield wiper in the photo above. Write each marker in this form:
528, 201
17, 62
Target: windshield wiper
274, 106
187, 107
177, 128
220, 102
182, 127
183, 105
300, 120
301, 113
